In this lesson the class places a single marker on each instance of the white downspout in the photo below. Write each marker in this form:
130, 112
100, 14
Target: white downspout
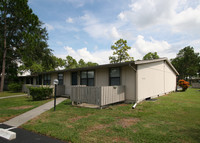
134, 106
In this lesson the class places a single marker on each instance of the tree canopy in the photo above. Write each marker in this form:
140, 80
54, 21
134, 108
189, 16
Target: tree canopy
23, 40
187, 62
151, 56
120, 53
71, 63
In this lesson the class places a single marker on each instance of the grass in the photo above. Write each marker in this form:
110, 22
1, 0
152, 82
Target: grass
171, 118
9, 93
12, 107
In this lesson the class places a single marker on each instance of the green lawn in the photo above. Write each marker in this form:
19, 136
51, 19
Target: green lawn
9, 93
172, 118
12, 107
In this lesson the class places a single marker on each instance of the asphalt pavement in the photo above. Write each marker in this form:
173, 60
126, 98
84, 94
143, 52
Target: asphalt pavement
25, 136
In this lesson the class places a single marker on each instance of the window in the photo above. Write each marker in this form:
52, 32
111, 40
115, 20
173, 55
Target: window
87, 78
27, 80
40, 79
37, 80
114, 76
60, 79
47, 79
74, 78
31, 80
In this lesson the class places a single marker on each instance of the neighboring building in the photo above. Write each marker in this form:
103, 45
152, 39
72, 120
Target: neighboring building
140, 79
195, 82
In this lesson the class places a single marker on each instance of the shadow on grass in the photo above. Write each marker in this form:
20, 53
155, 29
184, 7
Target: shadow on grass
67, 103
29, 99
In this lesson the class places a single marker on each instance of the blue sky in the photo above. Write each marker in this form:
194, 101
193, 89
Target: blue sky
87, 28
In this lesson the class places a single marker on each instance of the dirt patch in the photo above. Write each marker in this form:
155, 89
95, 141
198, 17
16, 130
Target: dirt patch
128, 122
122, 105
120, 139
3, 119
21, 107
97, 127
71, 120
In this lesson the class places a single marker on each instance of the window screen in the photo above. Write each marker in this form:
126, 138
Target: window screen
74, 78
87, 78
114, 76
60, 79
47, 79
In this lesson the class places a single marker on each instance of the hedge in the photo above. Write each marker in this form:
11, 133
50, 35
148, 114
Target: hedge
15, 87
40, 93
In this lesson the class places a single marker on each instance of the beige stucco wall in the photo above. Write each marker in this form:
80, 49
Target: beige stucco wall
53, 77
34, 80
102, 77
170, 79
67, 82
154, 79
128, 79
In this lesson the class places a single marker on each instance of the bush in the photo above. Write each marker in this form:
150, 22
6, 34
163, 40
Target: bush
184, 84
40, 93
15, 87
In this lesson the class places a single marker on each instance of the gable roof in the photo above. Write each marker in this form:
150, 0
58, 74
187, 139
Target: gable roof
157, 60
139, 62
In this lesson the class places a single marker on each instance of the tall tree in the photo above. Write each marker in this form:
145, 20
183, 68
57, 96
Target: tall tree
89, 64
187, 62
24, 40
81, 63
120, 53
151, 56
71, 63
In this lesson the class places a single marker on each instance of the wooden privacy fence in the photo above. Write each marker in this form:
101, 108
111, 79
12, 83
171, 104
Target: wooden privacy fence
101, 96
195, 85
60, 88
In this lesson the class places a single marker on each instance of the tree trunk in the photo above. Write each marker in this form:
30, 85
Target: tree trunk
4, 60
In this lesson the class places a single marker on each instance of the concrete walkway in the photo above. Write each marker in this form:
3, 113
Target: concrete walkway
23, 118
13, 96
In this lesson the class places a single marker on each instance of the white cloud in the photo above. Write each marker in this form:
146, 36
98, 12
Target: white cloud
63, 27
96, 47
115, 34
121, 16
141, 47
69, 20
150, 46
187, 20
96, 29
49, 27
181, 15
100, 57
69, 50
144, 13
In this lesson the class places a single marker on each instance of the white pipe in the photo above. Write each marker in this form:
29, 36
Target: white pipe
133, 107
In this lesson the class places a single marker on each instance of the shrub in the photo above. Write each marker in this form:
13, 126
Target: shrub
184, 84
40, 93
15, 87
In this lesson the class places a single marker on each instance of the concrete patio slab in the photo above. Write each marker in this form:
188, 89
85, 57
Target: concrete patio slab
87, 105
